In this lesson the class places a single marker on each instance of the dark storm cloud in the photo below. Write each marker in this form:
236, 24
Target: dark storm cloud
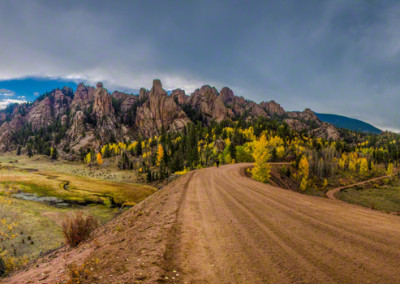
332, 56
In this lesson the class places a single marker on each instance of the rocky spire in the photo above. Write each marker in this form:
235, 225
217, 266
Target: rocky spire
102, 107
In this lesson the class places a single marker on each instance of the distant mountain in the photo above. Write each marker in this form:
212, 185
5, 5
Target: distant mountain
348, 123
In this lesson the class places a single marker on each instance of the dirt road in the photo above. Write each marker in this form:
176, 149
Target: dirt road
232, 229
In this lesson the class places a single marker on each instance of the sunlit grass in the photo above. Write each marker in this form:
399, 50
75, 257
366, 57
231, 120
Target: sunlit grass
386, 198
39, 224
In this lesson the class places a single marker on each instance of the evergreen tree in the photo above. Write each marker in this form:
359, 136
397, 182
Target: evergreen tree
54, 153
29, 150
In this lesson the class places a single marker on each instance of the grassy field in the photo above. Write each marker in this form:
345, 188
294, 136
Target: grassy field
37, 224
71, 182
382, 197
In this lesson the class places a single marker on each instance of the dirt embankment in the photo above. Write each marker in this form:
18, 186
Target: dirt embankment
129, 249
218, 226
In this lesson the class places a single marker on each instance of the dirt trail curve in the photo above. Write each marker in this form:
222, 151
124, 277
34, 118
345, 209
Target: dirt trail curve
218, 226
331, 194
236, 230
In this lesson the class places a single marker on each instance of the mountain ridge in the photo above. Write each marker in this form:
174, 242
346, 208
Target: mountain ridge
341, 121
90, 116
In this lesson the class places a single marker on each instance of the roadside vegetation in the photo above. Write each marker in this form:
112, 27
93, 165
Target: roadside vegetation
316, 164
381, 195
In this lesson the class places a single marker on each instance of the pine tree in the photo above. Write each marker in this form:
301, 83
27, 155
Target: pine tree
29, 149
139, 148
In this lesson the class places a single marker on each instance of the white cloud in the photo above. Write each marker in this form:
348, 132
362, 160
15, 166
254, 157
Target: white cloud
5, 92
36, 93
5, 102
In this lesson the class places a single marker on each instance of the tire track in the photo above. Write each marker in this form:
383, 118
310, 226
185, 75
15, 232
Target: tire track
236, 230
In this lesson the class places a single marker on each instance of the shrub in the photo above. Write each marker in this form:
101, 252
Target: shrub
81, 273
78, 228
9, 263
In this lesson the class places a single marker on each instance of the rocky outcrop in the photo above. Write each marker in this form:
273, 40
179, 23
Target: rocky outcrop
61, 102
307, 116
227, 96
179, 96
40, 115
126, 101
93, 116
104, 114
326, 131
307, 120
7, 132
159, 111
273, 108
207, 101
78, 125
102, 108
240, 106
81, 136
83, 98
296, 124
143, 94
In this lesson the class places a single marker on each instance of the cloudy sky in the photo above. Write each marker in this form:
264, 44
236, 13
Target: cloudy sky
339, 57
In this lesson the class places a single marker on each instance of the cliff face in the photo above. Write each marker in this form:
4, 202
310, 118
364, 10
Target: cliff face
83, 98
240, 106
207, 101
91, 116
160, 111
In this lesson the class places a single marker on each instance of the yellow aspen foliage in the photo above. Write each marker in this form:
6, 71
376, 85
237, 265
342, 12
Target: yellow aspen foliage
304, 184
352, 165
304, 167
99, 159
372, 167
248, 133
275, 142
228, 159
88, 158
342, 162
389, 170
280, 152
261, 170
363, 167
132, 146
160, 154
325, 183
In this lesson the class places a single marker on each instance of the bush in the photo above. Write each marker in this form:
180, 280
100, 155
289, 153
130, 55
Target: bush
78, 228
9, 263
